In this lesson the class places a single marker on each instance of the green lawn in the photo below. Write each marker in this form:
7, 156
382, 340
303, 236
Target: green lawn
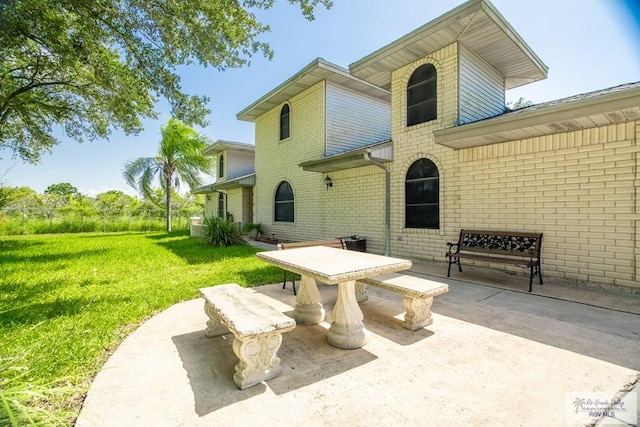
67, 301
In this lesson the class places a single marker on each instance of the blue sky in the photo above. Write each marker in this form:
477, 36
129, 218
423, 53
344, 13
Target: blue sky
587, 45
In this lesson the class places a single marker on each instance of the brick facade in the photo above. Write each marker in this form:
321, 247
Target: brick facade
277, 161
579, 188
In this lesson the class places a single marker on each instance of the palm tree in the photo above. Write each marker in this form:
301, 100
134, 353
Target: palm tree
179, 160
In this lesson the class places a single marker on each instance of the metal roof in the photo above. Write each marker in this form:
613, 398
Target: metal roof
381, 152
317, 71
617, 104
221, 145
241, 181
477, 24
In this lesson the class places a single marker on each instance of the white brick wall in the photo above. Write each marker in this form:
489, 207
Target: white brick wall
415, 142
355, 203
277, 161
578, 188
581, 197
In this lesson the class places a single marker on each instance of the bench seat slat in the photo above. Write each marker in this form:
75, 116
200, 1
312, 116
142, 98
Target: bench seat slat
502, 259
500, 252
332, 243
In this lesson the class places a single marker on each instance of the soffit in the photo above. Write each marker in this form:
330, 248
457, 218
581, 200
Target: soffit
477, 24
317, 71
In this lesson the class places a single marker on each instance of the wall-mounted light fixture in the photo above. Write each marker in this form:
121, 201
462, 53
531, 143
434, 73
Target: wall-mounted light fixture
328, 182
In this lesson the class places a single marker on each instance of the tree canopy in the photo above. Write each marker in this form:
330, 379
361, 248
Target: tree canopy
88, 67
62, 189
520, 103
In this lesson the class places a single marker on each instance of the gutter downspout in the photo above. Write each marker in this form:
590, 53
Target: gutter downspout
387, 203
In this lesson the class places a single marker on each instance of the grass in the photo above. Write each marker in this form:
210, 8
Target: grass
67, 301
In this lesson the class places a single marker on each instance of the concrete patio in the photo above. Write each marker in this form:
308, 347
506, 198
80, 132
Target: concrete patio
495, 355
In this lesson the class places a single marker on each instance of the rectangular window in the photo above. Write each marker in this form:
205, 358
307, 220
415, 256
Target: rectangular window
422, 216
284, 212
221, 206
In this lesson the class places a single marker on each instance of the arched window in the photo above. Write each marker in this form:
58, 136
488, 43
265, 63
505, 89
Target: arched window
284, 203
284, 122
221, 166
422, 95
221, 210
422, 195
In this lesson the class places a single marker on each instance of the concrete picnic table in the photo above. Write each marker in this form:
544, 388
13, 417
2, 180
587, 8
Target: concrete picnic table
334, 267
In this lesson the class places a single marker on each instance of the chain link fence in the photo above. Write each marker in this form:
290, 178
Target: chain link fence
15, 221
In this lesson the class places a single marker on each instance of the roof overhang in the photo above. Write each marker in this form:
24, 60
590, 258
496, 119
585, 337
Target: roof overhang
221, 145
241, 181
477, 24
380, 153
317, 71
615, 105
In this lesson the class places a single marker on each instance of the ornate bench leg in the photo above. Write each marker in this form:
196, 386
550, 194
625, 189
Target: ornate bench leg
418, 313
258, 359
451, 261
214, 326
540, 273
361, 291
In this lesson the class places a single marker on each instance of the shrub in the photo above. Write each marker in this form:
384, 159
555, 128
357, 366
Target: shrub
250, 226
222, 232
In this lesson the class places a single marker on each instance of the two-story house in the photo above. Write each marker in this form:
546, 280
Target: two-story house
321, 114
413, 142
231, 195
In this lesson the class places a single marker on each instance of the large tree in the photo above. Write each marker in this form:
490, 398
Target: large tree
63, 189
17, 197
116, 202
90, 66
179, 160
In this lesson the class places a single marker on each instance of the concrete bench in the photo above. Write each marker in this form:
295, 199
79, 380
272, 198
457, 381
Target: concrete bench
418, 295
256, 326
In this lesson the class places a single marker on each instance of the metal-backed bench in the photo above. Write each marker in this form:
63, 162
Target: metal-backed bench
332, 243
418, 295
256, 326
506, 247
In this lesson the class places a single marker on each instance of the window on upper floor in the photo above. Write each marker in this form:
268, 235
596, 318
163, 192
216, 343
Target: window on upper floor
285, 122
221, 210
284, 203
422, 95
422, 195
221, 166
